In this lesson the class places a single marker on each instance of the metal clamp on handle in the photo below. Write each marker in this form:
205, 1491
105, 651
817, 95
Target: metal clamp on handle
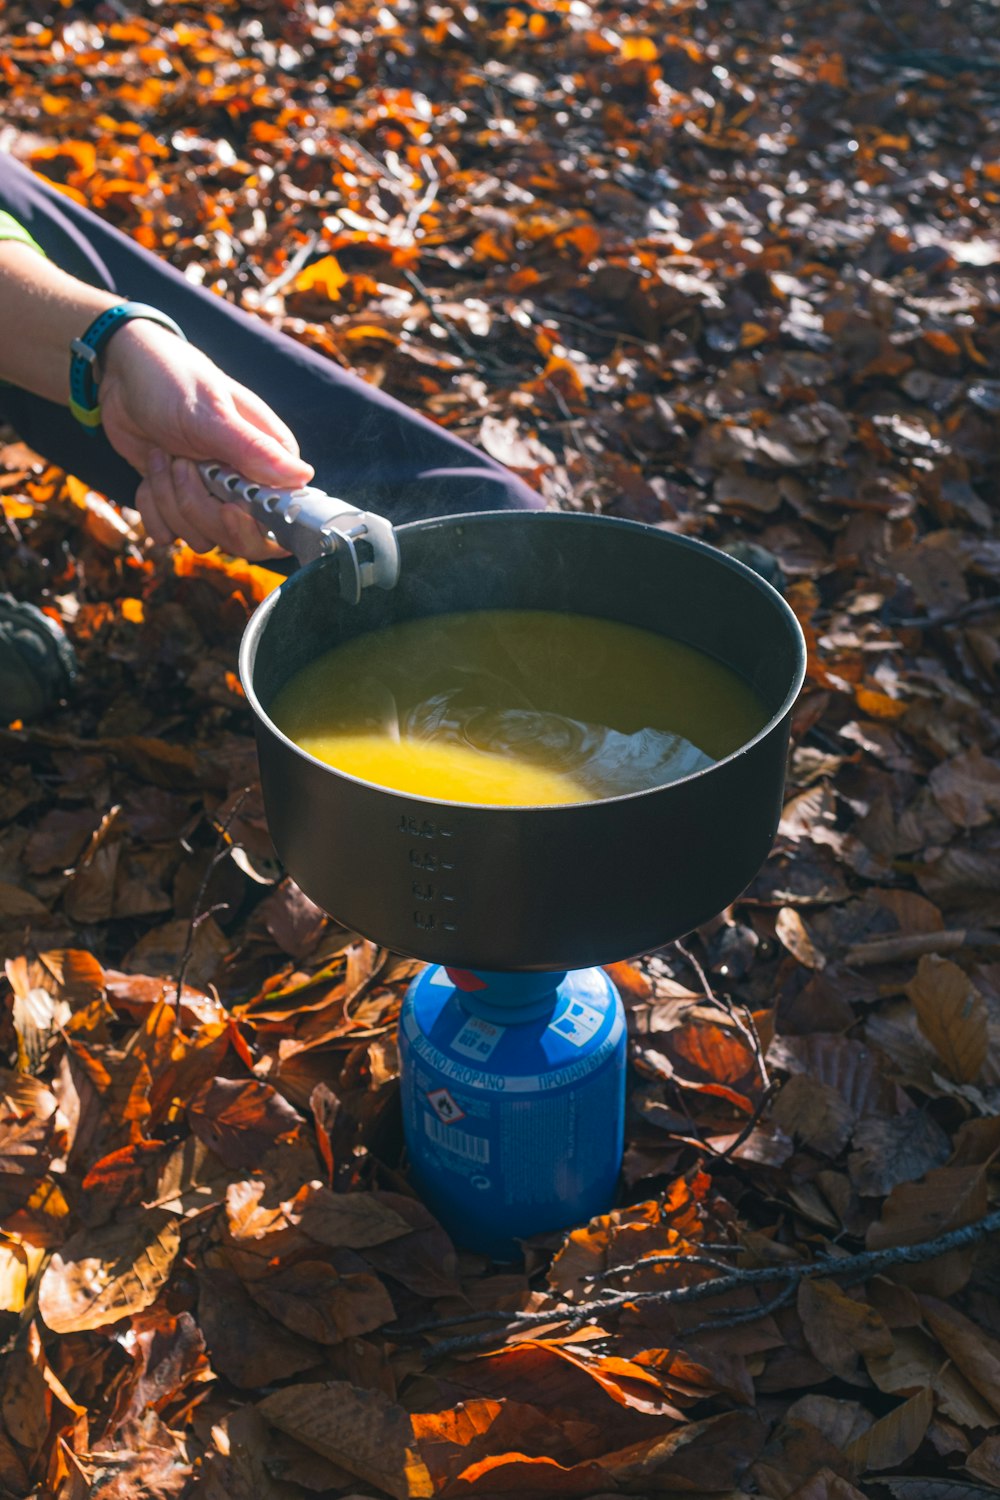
310, 524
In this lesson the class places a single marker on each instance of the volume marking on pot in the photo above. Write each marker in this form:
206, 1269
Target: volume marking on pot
422, 859
422, 828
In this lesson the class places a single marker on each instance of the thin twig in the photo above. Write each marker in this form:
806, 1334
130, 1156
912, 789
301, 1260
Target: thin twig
198, 915
657, 1260
426, 201
455, 334
378, 169
295, 265
749, 1127
850, 1268
933, 621
748, 1315
876, 10
747, 1031
909, 945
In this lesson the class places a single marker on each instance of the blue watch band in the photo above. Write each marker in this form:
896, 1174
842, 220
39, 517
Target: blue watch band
84, 371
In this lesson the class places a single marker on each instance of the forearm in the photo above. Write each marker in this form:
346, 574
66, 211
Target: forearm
42, 309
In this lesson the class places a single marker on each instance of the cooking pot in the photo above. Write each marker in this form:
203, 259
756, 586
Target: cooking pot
525, 888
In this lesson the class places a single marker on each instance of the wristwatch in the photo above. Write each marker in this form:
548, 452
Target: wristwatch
85, 352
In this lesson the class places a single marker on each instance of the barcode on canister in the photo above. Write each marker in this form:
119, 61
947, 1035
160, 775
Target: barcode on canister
472, 1147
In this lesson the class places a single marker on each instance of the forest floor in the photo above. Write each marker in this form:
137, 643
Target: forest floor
732, 269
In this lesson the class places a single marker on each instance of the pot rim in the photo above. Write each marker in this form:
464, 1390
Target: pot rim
258, 621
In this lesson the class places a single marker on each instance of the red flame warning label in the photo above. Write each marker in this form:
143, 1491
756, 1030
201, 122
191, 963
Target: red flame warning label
444, 1106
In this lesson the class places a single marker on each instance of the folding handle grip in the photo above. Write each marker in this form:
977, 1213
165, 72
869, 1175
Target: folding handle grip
310, 524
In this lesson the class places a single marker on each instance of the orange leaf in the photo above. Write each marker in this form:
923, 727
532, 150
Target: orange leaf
719, 1052
79, 157
832, 72
752, 334
630, 981
517, 1474
638, 49
879, 705
942, 342
365, 333
470, 1420
226, 573
323, 277
487, 246
553, 1366
585, 238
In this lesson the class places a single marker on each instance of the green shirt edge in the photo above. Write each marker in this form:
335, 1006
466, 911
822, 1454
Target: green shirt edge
10, 229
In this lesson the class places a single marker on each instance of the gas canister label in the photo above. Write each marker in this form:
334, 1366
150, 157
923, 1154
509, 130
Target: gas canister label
472, 1148
463, 1073
578, 1023
444, 1106
478, 1039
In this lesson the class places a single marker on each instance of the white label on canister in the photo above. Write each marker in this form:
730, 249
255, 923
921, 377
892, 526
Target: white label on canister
578, 1023
462, 1143
477, 1038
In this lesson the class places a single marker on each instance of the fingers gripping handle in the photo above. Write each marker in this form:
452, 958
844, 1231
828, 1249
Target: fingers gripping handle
311, 524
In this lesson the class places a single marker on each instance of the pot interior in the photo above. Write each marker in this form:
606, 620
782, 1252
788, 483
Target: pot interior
617, 570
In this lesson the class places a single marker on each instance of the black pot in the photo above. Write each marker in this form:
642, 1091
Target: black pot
530, 887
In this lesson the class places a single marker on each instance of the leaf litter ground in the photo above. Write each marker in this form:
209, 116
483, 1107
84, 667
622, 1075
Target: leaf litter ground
733, 270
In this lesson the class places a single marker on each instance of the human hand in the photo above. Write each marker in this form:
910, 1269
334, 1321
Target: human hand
165, 406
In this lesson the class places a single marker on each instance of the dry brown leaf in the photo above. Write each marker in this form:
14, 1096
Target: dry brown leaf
840, 1330
792, 931
889, 1151
952, 1016
894, 1437
360, 1431
947, 1198
354, 1221
915, 1362
967, 788
313, 1299
826, 1485
815, 1113
17, 905
984, 1461
19, 1264
973, 1352
102, 1275
239, 1118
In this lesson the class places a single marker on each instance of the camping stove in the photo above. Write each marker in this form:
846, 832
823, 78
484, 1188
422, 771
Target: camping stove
513, 1043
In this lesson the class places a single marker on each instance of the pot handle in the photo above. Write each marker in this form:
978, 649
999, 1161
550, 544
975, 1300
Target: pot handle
311, 524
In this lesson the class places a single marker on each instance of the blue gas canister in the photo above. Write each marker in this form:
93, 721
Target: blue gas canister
513, 1092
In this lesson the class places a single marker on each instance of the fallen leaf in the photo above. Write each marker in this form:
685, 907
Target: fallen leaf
240, 1118
894, 1437
952, 1016
840, 1330
103, 1275
361, 1431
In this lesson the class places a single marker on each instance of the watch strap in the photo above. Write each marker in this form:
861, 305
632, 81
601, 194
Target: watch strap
85, 353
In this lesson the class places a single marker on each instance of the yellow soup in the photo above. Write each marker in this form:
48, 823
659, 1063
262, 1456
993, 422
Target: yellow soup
520, 707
